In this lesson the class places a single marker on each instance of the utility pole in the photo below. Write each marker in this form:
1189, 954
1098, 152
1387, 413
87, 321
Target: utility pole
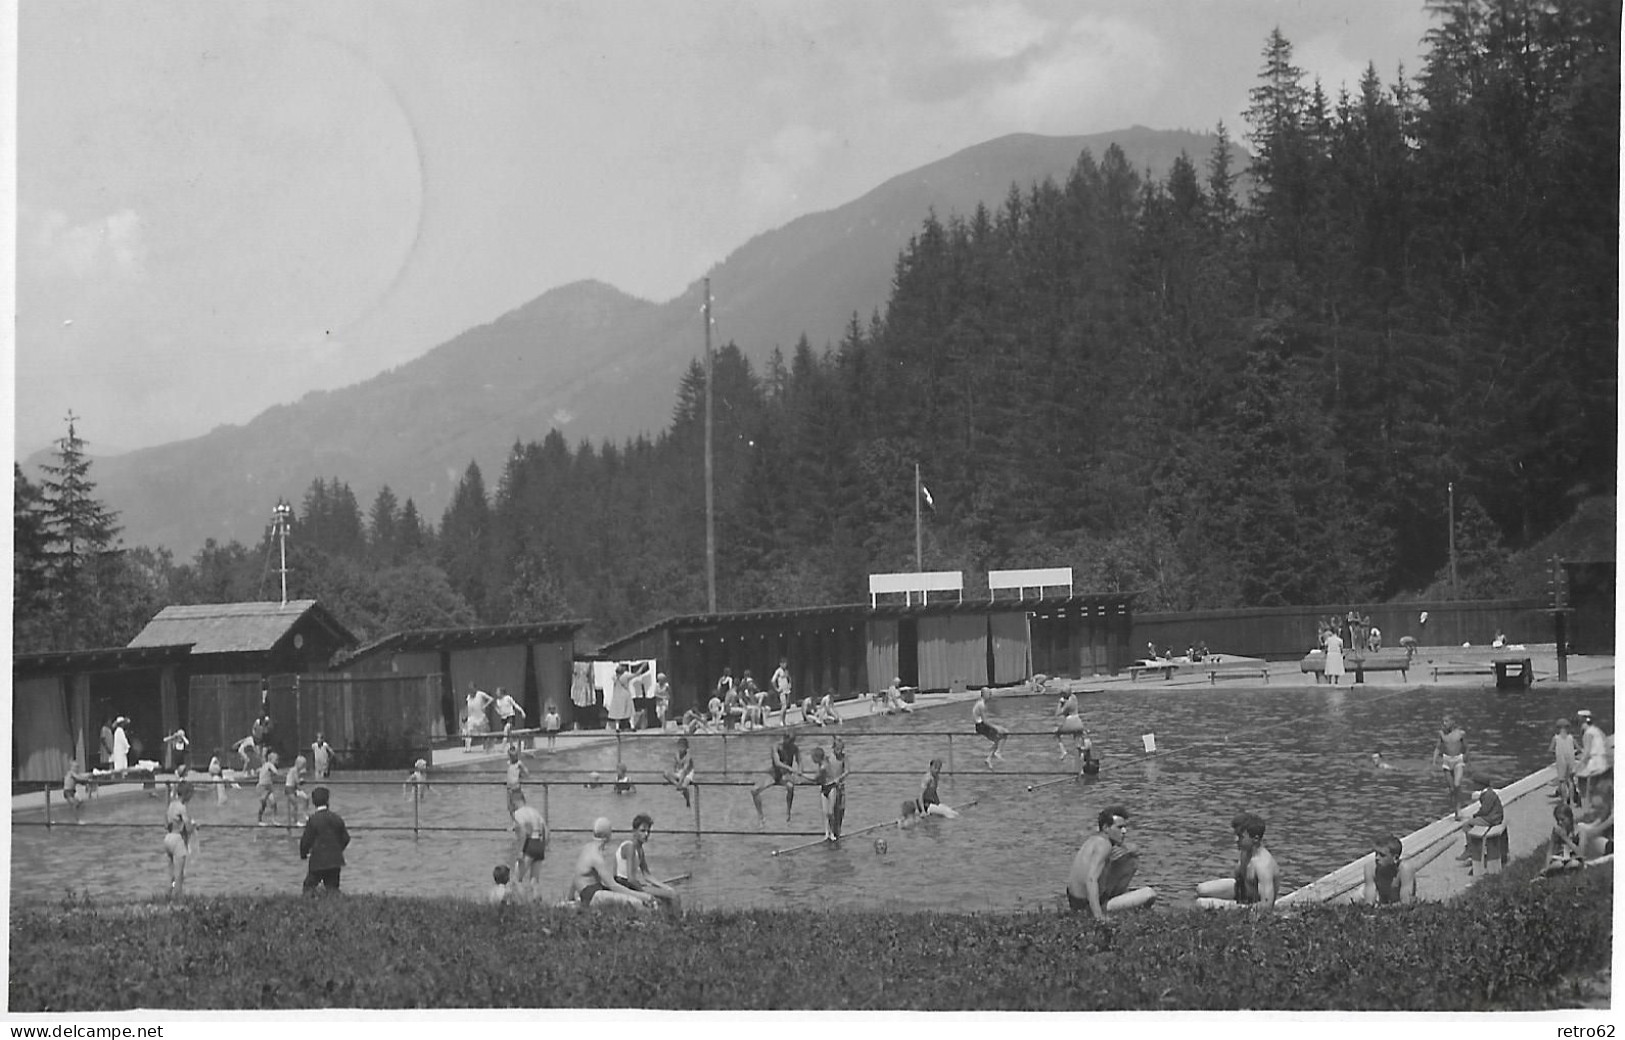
1454, 594
919, 541
281, 516
710, 478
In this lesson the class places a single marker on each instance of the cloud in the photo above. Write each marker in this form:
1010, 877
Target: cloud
774, 170
106, 247
1085, 75
995, 31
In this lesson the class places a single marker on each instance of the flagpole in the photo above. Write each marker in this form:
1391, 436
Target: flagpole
919, 542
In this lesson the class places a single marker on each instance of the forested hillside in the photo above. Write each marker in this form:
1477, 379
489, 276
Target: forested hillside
1214, 400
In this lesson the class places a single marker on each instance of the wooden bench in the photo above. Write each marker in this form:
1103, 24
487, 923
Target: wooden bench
1167, 670
1357, 665
1247, 671
1461, 668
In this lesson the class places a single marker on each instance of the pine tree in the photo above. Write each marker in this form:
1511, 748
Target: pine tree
80, 532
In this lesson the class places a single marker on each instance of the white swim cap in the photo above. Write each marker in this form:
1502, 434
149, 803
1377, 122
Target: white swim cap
601, 827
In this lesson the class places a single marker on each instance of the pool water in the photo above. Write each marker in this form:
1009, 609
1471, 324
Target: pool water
1300, 758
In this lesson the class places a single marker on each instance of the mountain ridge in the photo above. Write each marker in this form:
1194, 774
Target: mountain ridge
585, 356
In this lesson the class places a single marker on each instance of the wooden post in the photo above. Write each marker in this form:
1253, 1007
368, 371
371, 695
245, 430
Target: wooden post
725, 755
47, 808
696, 790
950, 754
546, 811
417, 797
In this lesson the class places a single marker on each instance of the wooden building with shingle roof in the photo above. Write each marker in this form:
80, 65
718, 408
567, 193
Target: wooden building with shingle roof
250, 638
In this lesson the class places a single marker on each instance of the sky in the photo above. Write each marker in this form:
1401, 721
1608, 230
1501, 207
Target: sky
221, 207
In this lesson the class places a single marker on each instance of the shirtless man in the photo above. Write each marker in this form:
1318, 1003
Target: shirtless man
995, 733
1450, 754
515, 779
594, 884
1387, 878
928, 802
681, 773
632, 864
783, 770
531, 831
827, 774
782, 686
843, 768
1254, 881
1068, 721
1104, 865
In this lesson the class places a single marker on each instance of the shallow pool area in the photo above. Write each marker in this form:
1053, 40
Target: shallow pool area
1299, 757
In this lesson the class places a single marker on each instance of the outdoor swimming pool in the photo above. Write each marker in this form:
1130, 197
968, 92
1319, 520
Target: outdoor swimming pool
1300, 758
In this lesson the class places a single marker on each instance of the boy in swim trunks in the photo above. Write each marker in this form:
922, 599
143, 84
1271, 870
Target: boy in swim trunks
515, 779
1389, 880
826, 774
783, 770
292, 790
681, 773
1450, 754
531, 831
995, 734
266, 788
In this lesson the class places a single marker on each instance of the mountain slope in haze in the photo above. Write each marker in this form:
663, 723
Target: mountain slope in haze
585, 357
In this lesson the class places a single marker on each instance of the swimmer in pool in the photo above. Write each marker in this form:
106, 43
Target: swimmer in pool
177, 845
927, 801
593, 884
516, 774
826, 774
783, 770
1104, 865
293, 792
995, 734
266, 788
417, 781
1067, 720
681, 773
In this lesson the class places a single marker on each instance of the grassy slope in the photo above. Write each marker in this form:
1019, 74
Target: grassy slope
1508, 944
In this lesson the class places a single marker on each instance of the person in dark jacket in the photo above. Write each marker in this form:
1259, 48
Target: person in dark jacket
323, 843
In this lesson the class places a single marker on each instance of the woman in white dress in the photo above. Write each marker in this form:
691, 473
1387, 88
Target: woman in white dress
1334, 656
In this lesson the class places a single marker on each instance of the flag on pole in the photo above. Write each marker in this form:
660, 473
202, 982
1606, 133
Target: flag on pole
930, 503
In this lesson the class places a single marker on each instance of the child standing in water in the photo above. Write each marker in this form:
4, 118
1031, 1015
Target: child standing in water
417, 781
266, 788
293, 790
217, 777
515, 779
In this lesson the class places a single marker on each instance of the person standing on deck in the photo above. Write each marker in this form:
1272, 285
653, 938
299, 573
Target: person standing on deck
1450, 755
782, 686
1334, 657
619, 705
1593, 752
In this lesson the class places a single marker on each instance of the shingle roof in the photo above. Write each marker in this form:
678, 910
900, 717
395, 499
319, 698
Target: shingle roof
224, 628
466, 638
